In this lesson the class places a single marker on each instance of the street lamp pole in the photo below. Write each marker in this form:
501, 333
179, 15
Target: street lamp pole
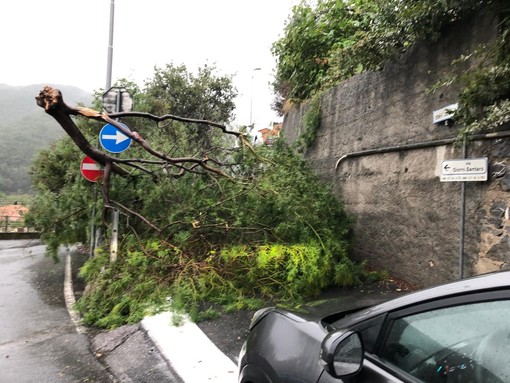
251, 97
93, 234
115, 212
110, 47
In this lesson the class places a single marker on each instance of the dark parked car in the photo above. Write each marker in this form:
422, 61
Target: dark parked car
456, 333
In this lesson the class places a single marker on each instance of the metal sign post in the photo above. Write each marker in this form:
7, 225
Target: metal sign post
464, 170
115, 236
462, 216
115, 99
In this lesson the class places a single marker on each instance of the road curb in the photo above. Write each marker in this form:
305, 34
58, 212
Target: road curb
69, 295
189, 351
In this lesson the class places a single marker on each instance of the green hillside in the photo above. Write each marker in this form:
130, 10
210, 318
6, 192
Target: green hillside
25, 129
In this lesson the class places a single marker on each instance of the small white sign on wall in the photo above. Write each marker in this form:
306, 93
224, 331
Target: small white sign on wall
443, 115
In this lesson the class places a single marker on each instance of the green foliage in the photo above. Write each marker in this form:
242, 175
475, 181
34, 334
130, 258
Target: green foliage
175, 90
272, 231
126, 291
229, 245
13, 199
485, 96
304, 52
331, 40
289, 272
62, 206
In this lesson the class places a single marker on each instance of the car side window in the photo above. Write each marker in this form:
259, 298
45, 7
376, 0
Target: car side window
461, 344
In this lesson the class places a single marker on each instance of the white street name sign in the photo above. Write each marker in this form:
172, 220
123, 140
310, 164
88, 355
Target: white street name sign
469, 169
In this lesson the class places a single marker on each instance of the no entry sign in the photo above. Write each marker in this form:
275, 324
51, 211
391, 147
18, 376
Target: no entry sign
91, 170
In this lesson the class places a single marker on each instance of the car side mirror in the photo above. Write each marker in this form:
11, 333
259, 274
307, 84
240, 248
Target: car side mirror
342, 353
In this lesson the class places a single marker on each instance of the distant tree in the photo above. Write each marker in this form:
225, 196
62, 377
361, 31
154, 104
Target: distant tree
201, 96
62, 206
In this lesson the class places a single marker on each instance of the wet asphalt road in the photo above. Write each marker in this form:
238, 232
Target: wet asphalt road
38, 340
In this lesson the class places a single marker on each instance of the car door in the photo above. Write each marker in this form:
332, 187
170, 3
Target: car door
464, 339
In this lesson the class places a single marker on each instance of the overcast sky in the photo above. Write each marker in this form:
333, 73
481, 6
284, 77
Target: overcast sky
66, 42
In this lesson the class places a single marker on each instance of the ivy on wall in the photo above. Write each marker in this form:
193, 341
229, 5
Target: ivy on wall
311, 123
328, 41
485, 95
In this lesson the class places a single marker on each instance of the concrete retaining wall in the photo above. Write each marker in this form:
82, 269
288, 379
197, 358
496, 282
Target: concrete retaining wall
408, 222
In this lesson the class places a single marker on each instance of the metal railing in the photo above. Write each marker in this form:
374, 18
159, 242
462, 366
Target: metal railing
13, 224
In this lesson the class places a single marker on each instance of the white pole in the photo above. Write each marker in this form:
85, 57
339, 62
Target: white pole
115, 236
251, 97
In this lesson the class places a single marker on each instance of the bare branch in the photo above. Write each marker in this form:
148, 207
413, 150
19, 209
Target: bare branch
106, 190
144, 144
51, 100
199, 162
177, 118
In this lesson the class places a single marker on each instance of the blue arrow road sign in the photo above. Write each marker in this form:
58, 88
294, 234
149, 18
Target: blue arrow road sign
113, 140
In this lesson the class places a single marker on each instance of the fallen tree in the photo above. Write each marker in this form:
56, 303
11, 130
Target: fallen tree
210, 219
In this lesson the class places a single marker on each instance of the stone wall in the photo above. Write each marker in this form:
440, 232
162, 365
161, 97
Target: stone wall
407, 221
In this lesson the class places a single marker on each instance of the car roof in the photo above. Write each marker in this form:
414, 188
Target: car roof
493, 281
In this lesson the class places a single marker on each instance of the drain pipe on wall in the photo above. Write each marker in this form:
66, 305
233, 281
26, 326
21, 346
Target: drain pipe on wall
430, 144
420, 145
